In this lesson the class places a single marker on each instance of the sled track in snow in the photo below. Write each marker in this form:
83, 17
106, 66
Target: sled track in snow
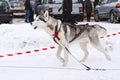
58, 68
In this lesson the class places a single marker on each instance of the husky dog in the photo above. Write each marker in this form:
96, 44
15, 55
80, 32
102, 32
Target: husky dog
65, 34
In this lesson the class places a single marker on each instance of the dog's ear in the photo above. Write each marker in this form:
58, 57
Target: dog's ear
46, 15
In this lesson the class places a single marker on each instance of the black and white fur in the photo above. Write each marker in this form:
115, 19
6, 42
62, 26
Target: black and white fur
89, 35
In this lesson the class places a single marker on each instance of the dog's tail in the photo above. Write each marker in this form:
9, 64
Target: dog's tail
100, 30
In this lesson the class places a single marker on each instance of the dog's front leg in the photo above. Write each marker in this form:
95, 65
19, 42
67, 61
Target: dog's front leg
58, 54
66, 56
83, 46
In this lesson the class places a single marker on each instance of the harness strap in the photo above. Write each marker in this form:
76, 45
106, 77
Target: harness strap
81, 28
56, 33
80, 32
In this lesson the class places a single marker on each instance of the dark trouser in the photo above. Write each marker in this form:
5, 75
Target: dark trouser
67, 16
88, 16
27, 15
31, 17
36, 10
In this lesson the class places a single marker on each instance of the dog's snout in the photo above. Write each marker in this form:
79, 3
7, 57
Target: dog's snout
35, 27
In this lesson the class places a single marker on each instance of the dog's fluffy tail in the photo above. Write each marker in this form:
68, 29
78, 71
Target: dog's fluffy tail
100, 30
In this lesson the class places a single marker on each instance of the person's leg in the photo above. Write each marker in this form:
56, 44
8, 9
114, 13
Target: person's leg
31, 16
27, 15
64, 17
69, 17
36, 10
88, 16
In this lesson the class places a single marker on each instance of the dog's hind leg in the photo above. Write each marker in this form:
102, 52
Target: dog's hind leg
83, 46
96, 43
58, 54
99, 47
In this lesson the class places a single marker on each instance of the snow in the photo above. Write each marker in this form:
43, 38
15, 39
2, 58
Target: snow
43, 65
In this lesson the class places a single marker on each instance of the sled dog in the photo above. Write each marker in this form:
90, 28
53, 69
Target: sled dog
65, 34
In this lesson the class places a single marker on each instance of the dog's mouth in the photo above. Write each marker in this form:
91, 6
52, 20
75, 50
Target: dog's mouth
35, 27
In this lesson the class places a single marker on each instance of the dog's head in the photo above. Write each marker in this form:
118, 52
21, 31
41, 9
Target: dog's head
40, 21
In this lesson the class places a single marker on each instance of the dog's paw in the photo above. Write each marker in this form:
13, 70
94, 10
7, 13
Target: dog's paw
62, 60
108, 46
83, 60
64, 65
109, 58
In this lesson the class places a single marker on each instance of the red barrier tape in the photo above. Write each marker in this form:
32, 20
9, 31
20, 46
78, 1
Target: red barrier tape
1, 56
114, 34
19, 53
107, 35
10, 54
51, 47
36, 50
27, 52
44, 48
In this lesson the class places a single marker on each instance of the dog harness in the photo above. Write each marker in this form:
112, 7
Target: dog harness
81, 28
56, 33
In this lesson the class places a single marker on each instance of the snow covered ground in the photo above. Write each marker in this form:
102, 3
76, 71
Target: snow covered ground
43, 65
